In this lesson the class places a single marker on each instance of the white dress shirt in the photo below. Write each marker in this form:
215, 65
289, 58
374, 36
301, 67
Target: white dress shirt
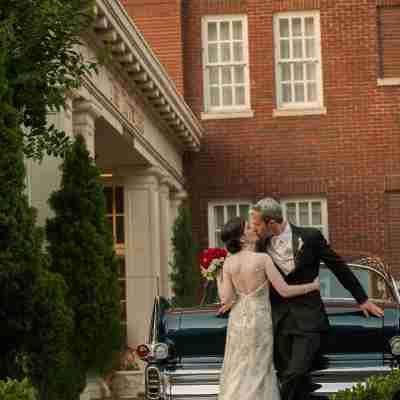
280, 248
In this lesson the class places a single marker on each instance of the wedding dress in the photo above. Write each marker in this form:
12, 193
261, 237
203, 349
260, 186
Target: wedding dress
248, 371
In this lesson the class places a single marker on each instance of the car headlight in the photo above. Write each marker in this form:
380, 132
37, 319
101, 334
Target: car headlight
395, 345
160, 351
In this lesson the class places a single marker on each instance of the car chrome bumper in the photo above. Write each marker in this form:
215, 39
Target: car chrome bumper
204, 384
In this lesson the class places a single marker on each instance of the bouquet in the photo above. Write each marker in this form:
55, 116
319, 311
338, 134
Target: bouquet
211, 261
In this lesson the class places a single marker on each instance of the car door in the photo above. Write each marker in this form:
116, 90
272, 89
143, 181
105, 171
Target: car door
352, 340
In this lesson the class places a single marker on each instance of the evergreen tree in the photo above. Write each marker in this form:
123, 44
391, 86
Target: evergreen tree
34, 321
185, 274
81, 250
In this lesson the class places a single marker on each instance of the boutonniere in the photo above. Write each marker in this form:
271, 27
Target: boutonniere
300, 245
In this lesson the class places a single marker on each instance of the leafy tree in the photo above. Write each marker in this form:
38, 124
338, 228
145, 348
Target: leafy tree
42, 62
34, 321
81, 248
14, 390
185, 274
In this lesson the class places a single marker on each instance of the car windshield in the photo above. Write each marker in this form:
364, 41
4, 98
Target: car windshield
373, 283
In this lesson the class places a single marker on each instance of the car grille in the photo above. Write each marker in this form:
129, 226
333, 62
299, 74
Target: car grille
153, 383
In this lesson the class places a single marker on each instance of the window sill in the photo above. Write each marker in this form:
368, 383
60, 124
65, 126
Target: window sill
299, 112
389, 82
227, 114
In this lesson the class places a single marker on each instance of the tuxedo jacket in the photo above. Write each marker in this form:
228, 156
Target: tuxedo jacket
306, 313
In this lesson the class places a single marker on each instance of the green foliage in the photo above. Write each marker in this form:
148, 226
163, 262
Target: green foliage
376, 388
34, 322
185, 273
14, 390
40, 41
81, 248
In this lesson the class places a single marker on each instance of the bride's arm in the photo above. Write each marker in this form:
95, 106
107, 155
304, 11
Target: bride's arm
226, 291
282, 287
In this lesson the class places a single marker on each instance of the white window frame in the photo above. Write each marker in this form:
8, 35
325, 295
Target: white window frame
212, 229
324, 212
316, 107
231, 109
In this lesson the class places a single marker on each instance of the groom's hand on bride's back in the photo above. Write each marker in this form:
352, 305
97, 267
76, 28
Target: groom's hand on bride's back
224, 309
370, 308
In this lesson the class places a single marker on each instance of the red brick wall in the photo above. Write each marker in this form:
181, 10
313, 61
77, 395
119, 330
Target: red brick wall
347, 155
160, 23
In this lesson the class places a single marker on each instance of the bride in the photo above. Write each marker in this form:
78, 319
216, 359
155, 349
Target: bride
248, 369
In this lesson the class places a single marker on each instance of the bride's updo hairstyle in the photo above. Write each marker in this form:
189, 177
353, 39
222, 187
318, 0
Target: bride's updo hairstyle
232, 233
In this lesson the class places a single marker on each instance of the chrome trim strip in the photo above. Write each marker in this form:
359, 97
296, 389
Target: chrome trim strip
194, 390
346, 371
330, 388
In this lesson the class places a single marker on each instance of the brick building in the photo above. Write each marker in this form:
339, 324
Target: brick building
300, 100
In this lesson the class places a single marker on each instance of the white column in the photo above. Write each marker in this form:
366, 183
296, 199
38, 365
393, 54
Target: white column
165, 236
85, 113
142, 250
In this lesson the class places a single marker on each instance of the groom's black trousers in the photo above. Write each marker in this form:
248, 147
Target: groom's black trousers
294, 353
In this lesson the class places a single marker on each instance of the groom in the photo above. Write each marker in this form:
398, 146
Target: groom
299, 321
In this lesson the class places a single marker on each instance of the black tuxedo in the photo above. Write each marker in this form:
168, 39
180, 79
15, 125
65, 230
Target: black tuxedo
299, 321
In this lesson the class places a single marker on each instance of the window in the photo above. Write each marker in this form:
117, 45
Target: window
219, 214
114, 196
225, 64
373, 283
298, 61
307, 212
389, 43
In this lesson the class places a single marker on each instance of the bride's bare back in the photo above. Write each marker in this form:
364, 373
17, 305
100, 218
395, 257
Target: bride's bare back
246, 271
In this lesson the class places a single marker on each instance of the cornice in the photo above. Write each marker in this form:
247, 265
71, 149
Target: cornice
115, 28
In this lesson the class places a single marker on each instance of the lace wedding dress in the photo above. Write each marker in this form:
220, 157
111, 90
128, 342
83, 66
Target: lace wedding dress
248, 370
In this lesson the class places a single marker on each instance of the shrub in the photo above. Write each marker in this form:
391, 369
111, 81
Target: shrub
14, 390
375, 388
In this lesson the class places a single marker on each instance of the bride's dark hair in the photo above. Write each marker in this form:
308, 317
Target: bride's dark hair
231, 234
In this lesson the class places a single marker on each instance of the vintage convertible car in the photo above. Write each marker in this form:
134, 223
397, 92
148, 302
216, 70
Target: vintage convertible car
186, 345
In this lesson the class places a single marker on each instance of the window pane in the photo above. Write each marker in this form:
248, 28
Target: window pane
231, 211
239, 74
237, 51
303, 211
219, 216
108, 195
240, 94
237, 30
214, 75
297, 48
244, 211
218, 241
212, 31
119, 200
226, 75
316, 213
291, 213
299, 92
214, 96
309, 24
310, 48
227, 96
212, 53
285, 49
225, 31
296, 27
286, 93
284, 27
285, 68
312, 91
311, 72
110, 224
225, 52
121, 264
298, 72
120, 229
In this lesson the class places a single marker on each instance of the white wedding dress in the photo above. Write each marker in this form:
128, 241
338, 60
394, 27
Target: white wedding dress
248, 371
